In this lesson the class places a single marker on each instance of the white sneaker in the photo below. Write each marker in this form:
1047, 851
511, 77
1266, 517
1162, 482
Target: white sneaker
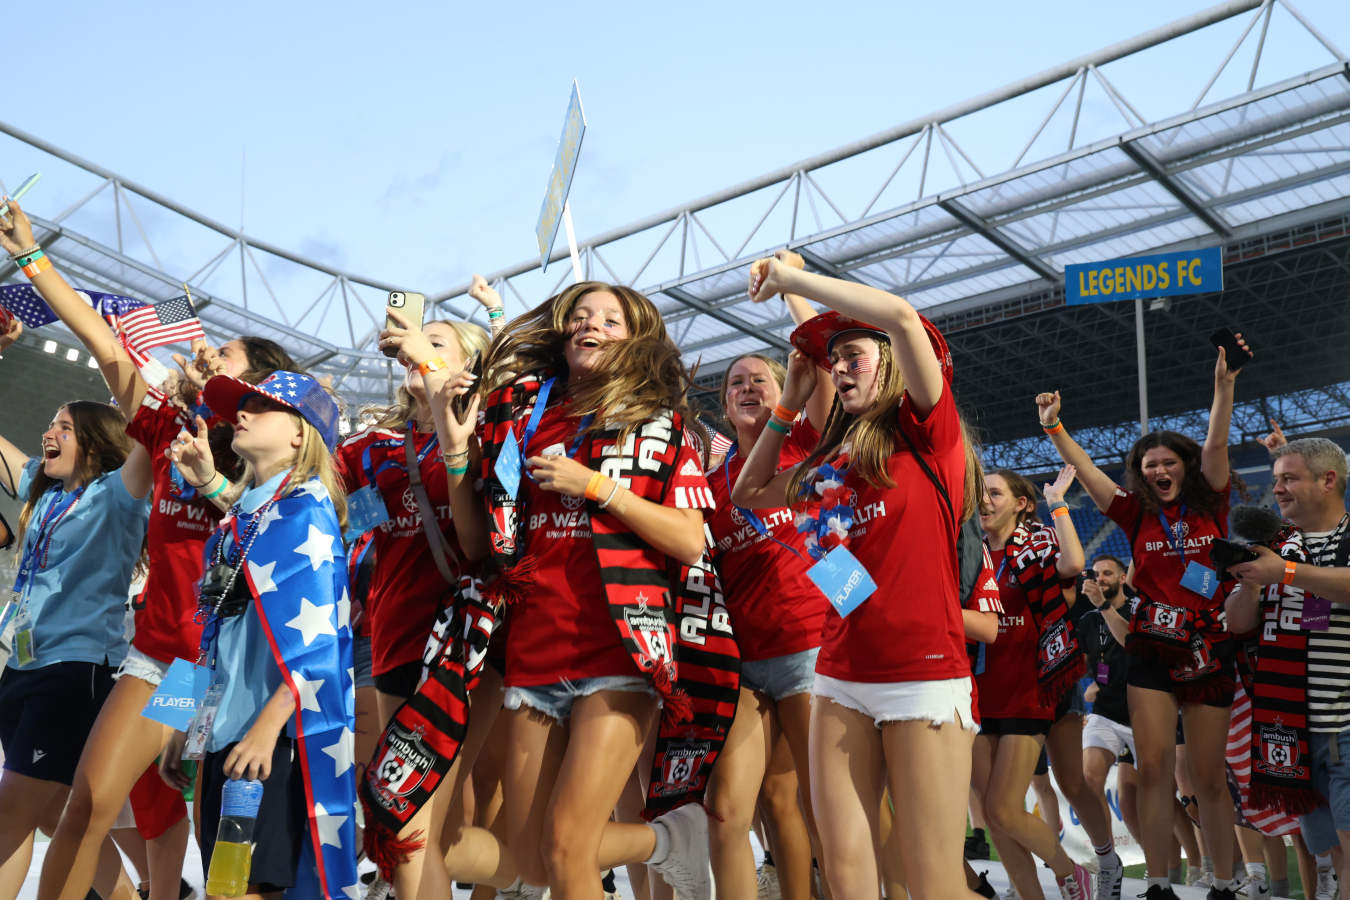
1253, 889
1326, 884
1110, 876
766, 884
1202, 880
686, 867
522, 891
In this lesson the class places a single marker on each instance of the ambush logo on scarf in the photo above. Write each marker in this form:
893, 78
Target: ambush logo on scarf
1167, 621
1279, 755
503, 509
649, 628
681, 766
403, 767
1055, 645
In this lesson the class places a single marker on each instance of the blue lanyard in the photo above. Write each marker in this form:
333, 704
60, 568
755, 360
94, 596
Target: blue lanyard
1002, 567
749, 515
537, 414
1175, 541
35, 553
391, 462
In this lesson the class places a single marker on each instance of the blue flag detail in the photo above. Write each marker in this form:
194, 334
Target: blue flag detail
25, 302
297, 573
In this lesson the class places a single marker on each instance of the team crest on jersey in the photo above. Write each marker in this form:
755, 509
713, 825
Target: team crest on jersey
1279, 750
410, 500
736, 516
404, 766
573, 503
682, 763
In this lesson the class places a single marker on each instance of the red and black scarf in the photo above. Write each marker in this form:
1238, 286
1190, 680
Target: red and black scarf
670, 618
1031, 554
1281, 761
423, 738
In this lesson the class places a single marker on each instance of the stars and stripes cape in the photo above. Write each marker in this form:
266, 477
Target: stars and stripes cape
297, 576
671, 618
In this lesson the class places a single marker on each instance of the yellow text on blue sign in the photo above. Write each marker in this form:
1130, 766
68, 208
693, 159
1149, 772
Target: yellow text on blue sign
1139, 277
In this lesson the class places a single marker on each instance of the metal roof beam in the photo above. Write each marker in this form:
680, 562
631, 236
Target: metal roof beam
1150, 165
694, 303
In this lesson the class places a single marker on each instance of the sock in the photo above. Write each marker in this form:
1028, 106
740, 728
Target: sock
978, 834
1222, 884
1279, 887
1323, 860
661, 848
1257, 871
1160, 882
1174, 875
1106, 848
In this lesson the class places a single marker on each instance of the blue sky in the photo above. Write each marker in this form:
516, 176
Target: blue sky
412, 141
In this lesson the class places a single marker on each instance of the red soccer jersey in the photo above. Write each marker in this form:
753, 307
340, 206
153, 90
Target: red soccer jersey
1158, 567
910, 629
1008, 688
406, 587
176, 536
563, 628
775, 608
984, 597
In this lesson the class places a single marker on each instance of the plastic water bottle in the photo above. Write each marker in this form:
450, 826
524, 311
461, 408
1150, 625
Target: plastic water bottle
232, 857
190, 770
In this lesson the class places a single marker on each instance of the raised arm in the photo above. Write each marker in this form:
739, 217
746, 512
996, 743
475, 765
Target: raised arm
123, 378
910, 347
1214, 455
817, 406
491, 301
460, 454
1097, 483
1071, 556
12, 459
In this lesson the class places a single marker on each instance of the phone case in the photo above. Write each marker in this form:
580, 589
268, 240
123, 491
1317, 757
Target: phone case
410, 305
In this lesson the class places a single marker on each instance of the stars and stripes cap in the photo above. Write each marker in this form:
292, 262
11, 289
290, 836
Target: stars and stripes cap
224, 394
816, 335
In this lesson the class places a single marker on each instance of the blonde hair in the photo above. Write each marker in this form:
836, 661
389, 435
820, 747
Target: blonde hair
776, 369
312, 460
635, 378
872, 436
471, 339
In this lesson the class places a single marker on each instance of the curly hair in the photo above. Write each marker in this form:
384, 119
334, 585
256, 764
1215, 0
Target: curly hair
1194, 490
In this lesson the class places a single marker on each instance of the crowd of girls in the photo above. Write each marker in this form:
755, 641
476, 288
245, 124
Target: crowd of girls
550, 631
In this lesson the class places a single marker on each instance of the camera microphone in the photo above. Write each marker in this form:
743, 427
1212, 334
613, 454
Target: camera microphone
1255, 524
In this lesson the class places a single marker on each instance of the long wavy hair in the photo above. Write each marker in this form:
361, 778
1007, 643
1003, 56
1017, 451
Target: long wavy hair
634, 379
471, 339
872, 436
103, 444
1195, 492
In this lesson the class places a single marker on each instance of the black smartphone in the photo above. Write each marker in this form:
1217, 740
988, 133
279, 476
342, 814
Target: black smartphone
1224, 553
459, 405
1234, 353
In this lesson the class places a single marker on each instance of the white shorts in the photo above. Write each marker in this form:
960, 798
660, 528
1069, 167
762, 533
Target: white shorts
146, 668
939, 702
1115, 738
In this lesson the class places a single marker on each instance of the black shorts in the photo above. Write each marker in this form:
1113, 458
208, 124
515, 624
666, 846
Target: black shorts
1042, 764
1146, 674
280, 830
46, 715
400, 681
1000, 727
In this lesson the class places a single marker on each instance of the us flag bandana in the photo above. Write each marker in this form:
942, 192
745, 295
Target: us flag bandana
670, 620
297, 576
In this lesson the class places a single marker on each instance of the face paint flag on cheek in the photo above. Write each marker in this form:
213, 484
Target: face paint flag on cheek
860, 365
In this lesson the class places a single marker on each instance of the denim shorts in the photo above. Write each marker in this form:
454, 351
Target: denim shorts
1332, 780
361, 661
142, 666
781, 676
555, 700
942, 701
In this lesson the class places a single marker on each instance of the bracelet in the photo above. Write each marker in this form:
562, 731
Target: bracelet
224, 483
27, 256
432, 365
37, 266
496, 312
787, 415
593, 486
1055, 428
202, 486
29, 252
457, 470
779, 426
1061, 510
612, 491
1289, 567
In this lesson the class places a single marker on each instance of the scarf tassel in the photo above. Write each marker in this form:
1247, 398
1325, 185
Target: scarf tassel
1293, 801
512, 584
677, 705
387, 850
1055, 685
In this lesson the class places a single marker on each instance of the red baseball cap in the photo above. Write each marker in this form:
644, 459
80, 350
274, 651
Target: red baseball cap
816, 335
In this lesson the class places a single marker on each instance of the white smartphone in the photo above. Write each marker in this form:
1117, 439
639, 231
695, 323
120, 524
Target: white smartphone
410, 305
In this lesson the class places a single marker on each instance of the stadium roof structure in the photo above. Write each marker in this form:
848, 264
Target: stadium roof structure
975, 235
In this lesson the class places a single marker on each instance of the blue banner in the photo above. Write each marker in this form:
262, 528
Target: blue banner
1140, 277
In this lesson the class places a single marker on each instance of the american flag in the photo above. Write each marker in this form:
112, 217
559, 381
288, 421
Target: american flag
139, 326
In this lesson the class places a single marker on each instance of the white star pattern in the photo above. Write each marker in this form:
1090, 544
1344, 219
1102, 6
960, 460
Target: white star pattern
262, 576
344, 610
330, 825
313, 621
318, 547
309, 692
272, 515
343, 751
